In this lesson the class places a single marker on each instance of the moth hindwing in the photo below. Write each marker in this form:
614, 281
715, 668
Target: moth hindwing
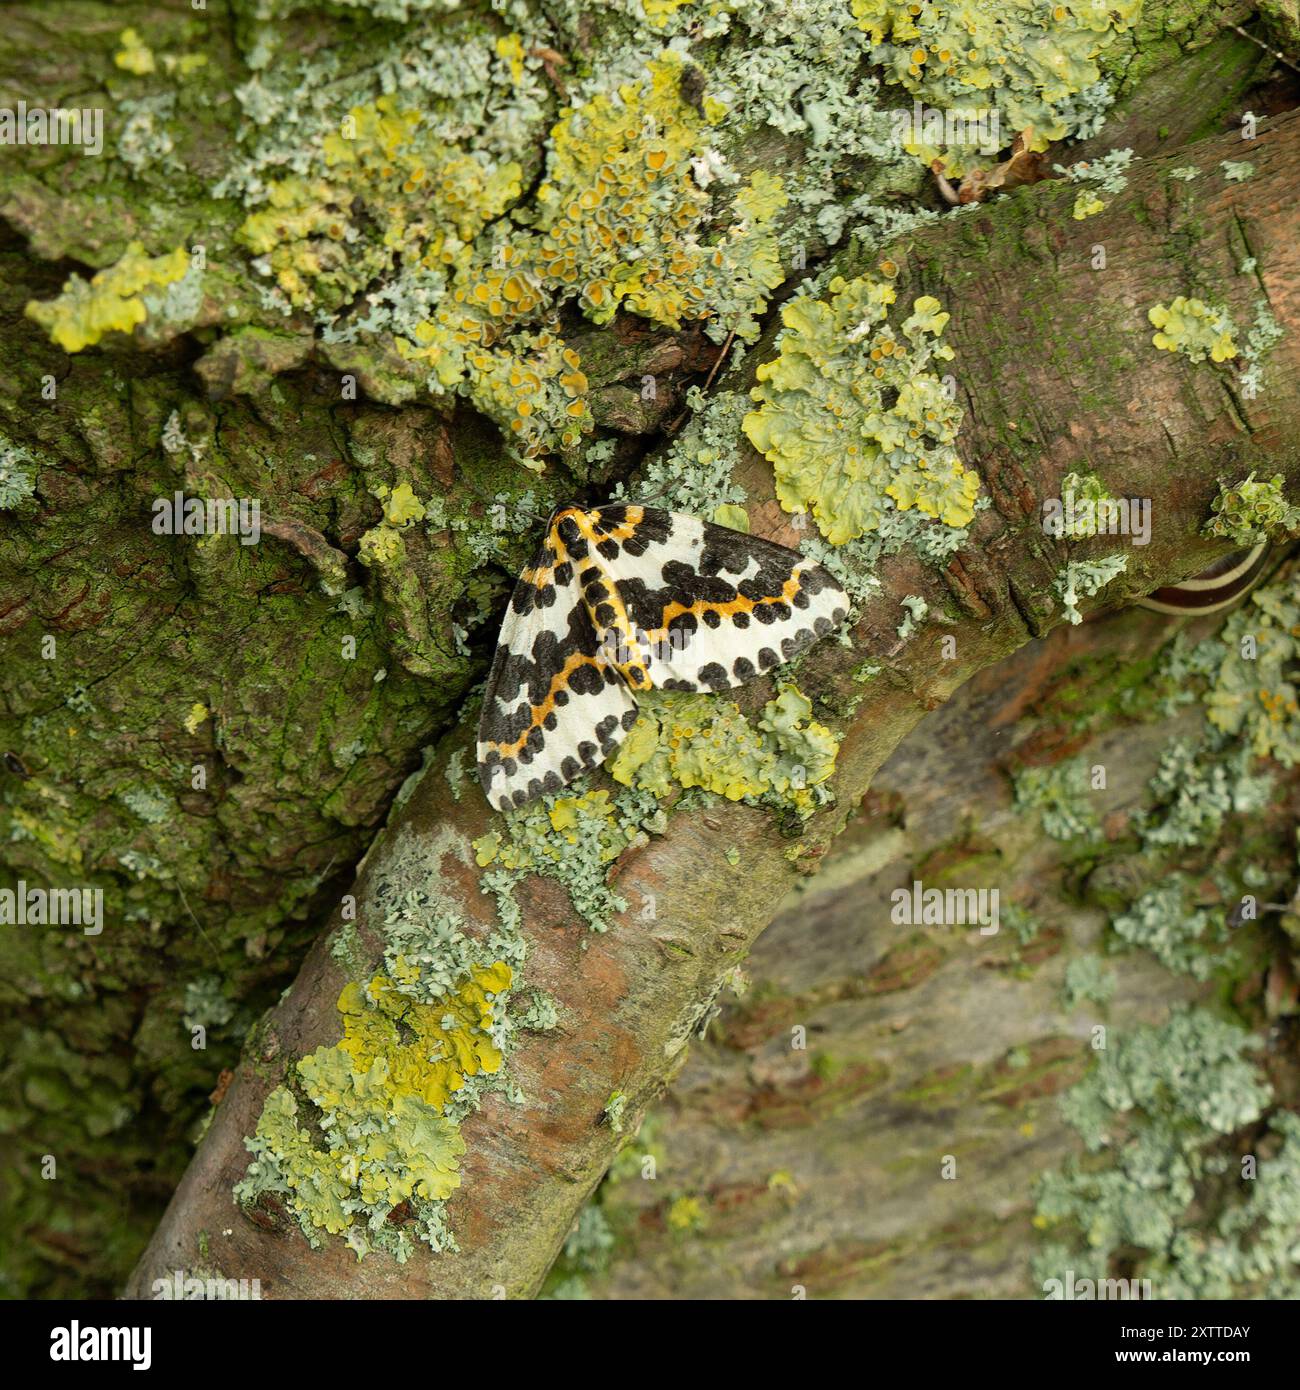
625, 598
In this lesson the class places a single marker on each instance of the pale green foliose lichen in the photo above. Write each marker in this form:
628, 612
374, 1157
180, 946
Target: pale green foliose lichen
17, 475
1036, 65
1086, 578
1264, 335
1194, 328
1159, 1104
572, 837
1253, 697
1060, 795
1082, 508
783, 758
852, 417
1165, 921
382, 1097
1249, 511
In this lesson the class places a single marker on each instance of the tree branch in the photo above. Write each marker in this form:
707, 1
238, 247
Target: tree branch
1056, 368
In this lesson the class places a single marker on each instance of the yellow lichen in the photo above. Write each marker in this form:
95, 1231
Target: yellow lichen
1028, 62
839, 445
427, 199
381, 1093
111, 302
134, 56
1194, 328
705, 741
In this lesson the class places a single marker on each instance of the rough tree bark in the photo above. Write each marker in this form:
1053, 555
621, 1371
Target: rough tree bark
1055, 367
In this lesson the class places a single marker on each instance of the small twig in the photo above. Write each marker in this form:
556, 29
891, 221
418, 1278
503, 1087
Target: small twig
708, 381
1272, 52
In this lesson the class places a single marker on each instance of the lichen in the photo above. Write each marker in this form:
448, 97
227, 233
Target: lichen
783, 758
853, 419
616, 224
1086, 578
1194, 328
1264, 335
1037, 65
1083, 492
113, 300
572, 838
1253, 698
1087, 981
381, 1097
1160, 1104
1109, 173
1166, 922
17, 475
1060, 795
1247, 512
1195, 789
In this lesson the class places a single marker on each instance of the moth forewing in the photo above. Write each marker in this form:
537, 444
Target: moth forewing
625, 598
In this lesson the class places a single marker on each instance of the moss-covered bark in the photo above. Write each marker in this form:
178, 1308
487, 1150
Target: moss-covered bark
191, 728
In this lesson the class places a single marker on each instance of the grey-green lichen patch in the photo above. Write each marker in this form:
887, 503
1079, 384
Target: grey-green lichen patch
1084, 578
1183, 937
695, 474
17, 475
1087, 981
1262, 337
1194, 1170
573, 838
1109, 173
1059, 794
1196, 788
914, 614
1162, 1105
